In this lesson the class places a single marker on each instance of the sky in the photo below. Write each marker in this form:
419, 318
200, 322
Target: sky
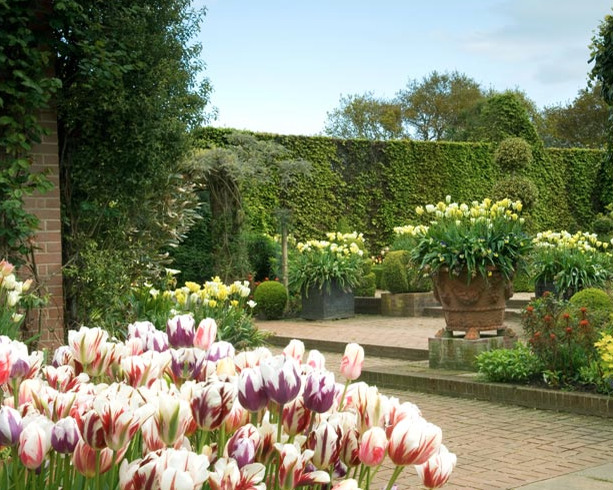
278, 66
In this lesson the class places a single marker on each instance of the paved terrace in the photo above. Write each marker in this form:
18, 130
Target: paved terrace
498, 446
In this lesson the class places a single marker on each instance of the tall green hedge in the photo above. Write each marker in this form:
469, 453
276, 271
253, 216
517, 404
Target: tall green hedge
374, 186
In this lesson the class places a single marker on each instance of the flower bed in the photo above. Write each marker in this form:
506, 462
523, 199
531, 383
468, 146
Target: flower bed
180, 410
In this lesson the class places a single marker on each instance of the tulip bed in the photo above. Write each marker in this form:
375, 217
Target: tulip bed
180, 410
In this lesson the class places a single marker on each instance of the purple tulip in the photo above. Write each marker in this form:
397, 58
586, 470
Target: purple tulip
319, 393
10, 426
19, 369
243, 451
157, 341
190, 364
252, 393
65, 435
180, 331
282, 380
220, 350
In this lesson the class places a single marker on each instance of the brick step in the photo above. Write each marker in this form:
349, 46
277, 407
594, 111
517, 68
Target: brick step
437, 312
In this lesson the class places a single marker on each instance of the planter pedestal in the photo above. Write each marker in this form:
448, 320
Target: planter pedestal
406, 304
327, 304
459, 353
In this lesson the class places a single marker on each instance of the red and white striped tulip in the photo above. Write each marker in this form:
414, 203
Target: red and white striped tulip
413, 442
228, 476
173, 417
5, 362
84, 459
295, 417
352, 361
35, 441
119, 423
85, 344
292, 470
206, 334
350, 445
436, 472
212, 404
347, 484
236, 418
181, 470
373, 446
295, 350
316, 360
325, 442
92, 430
139, 474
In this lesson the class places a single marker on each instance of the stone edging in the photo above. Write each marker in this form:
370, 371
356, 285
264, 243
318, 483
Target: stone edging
573, 402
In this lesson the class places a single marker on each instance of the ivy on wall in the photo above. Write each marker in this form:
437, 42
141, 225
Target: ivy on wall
374, 186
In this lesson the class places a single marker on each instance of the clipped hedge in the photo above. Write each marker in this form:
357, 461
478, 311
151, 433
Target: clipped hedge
373, 186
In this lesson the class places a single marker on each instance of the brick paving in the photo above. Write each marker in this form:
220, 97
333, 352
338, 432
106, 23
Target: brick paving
498, 446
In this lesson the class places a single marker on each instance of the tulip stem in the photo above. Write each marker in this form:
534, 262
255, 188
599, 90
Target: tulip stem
345, 388
395, 475
97, 469
67, 470
254, 417
279, 422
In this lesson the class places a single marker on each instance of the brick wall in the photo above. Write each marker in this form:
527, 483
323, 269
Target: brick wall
48, 241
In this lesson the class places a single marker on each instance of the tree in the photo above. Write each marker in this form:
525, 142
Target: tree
129, 96
432, 106
581, 123
601, 55
364, 117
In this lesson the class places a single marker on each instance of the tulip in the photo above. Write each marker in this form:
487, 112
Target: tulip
172, 418
325, 441
65, 435
212, 404
350, 448
119, 424
252, 393
140, 474
84, 459
140, 330
351, 363
157, 341
220, 350
319, 392
245, 432
295, 417
295, 350
180, 331
35, 441
413, 442
86, 343
10, 426
62, 356
373, 445
5, 363
92, 430
190, 364
236, 418
370, 406
243, 452
347, 484
205, 334
316, 360
228, 476
292, 470
282, 380
181, 469
435, 472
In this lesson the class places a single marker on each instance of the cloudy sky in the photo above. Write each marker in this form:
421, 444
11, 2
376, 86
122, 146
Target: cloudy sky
279, 65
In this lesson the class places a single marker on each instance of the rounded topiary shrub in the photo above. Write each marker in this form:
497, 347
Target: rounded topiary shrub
516, 188
271, 298
394, 271
592, 299
366, 286
513, 154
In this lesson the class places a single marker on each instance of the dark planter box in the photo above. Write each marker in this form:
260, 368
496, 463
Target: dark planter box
327, 304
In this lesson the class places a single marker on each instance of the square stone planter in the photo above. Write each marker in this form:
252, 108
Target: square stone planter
327, 304
406, 304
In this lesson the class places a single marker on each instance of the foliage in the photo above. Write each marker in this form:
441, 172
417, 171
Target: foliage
26, 88
601, 55
376, 186
517, 188
470, 240
318, 263
367, 285
271, 298
129, 94
582, 123
593, 299
263, 252
517, 365
401, 275
563, 338
604, 350
12, 300
603, 225
513, 154
571, 262
433, 105
364, 117
227, 304
241, 161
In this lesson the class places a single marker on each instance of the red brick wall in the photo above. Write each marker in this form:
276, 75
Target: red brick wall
48, 241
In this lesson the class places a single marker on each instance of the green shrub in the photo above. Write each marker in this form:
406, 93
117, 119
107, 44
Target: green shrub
593, 299
517, 365
513, 154
377, 270
367, 286
262, 251
271, 298
517, 188
523, 282
394, 271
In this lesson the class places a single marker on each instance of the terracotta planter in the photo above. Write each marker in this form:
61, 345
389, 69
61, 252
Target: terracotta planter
327, 304
474, 306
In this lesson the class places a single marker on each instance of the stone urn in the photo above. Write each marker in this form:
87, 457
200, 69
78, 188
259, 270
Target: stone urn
472, 306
